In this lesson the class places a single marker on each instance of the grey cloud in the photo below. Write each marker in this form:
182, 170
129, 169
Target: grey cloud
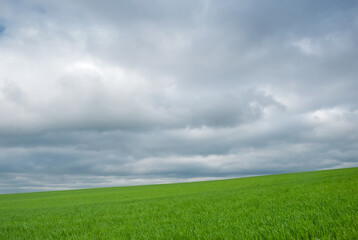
2, 29
134, 92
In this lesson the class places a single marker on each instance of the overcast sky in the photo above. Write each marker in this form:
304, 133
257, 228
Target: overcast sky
109, 93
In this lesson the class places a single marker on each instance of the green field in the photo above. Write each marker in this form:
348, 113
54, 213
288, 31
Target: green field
309, 205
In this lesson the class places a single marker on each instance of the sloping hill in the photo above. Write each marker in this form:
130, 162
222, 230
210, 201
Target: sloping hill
322, 204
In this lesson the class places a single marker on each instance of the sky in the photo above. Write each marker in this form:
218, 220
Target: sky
112, 93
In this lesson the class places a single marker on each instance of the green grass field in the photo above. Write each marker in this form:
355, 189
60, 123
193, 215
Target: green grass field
310, 205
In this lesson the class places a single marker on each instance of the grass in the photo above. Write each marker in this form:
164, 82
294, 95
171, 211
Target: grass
309, 205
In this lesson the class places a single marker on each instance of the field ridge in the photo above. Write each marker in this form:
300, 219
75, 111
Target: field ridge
305, 205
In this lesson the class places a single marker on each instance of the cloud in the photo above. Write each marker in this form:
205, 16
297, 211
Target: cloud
133, 92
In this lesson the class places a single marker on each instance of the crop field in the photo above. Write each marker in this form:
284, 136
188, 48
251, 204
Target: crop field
309, 205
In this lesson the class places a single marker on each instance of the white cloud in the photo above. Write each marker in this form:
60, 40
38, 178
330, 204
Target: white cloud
307, 46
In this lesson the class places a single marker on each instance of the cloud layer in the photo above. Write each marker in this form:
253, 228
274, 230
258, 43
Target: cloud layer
135, 92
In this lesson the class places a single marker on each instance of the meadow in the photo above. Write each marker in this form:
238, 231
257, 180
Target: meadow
307, 205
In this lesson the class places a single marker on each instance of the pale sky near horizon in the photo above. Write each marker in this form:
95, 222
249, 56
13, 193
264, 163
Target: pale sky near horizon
110, 93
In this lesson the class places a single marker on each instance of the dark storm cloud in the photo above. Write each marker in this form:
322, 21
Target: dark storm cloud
113, 93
